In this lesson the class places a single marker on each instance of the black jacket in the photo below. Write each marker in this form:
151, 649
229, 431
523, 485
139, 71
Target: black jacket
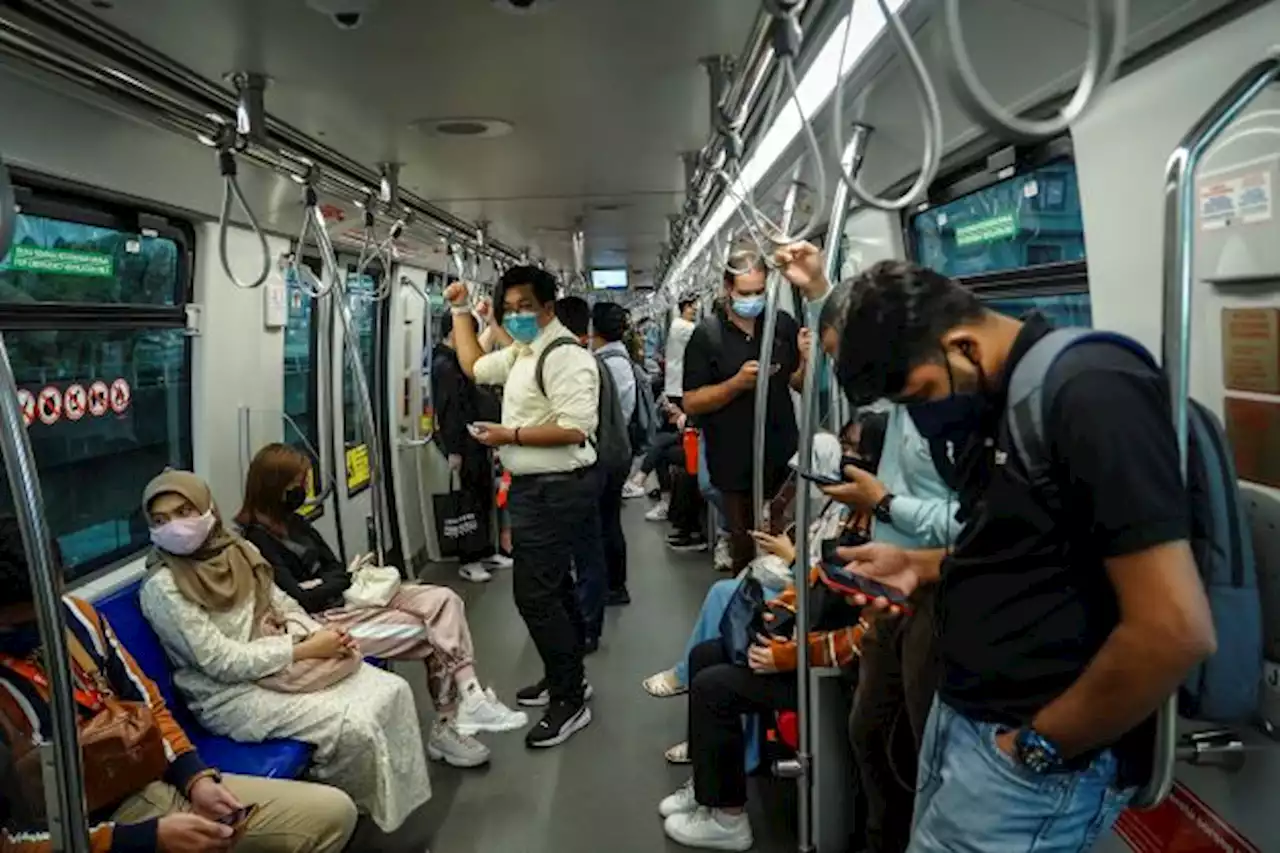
302, 556
455, 403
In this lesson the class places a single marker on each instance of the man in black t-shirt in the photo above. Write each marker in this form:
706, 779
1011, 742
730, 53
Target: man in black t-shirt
1061, 633
722, 365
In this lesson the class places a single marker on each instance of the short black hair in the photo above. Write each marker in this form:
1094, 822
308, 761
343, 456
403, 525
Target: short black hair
446, 325
610, 321
686, 301
15, 577
898, 312
544, 283
574, 313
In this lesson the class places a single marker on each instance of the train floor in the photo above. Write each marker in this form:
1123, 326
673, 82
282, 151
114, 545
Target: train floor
599, 791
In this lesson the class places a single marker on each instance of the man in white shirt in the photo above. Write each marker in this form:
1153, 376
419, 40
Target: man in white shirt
678, 335
610, 322
545, 441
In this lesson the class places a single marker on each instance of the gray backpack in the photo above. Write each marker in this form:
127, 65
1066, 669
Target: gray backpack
643, 426
1225, 687
613, 447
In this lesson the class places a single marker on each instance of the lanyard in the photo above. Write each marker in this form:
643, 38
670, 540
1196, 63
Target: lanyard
90, 700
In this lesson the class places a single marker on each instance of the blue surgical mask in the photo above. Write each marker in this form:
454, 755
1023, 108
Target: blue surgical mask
748, 307
523, 326
954, 418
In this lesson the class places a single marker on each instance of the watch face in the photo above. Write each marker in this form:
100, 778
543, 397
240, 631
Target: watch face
1035, 753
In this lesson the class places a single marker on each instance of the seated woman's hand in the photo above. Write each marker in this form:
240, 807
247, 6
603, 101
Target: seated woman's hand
778, 546
760, 657
322, 644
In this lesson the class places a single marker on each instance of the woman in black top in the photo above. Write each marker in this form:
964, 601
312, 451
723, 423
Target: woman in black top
422, 622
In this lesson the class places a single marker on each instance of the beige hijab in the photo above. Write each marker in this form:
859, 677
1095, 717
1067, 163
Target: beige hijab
226, 569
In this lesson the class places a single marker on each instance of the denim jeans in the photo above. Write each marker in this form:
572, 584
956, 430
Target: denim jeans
707, 627
710, 492
972, 797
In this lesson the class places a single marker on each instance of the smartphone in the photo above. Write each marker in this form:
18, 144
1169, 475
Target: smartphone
475, 430
835, 568
821, 479
237, 817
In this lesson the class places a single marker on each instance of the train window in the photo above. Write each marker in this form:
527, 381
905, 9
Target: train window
302, 428
1028, 220
1066, 309
360, 298
91, 306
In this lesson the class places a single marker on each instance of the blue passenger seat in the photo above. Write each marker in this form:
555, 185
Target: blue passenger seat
281, 759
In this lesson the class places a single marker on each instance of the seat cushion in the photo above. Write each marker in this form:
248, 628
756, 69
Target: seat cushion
277, 759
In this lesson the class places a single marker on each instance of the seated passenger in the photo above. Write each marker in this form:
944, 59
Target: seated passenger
422, 622
208, 597
178, 809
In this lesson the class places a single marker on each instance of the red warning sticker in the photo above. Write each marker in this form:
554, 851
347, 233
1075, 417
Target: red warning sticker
120, 396
27, 402
74, 402
98, 399
49, 405
1183, 823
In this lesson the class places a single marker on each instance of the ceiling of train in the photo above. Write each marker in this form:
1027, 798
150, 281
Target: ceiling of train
601, 96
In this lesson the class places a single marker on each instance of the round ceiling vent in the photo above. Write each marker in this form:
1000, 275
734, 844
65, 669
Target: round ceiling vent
468, 128
523, 7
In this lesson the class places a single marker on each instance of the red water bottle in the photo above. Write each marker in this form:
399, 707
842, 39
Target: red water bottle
690, 439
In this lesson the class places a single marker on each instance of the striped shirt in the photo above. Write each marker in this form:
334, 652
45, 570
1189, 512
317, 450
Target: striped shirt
26, 705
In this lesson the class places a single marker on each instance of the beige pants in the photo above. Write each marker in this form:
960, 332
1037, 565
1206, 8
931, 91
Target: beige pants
292, 817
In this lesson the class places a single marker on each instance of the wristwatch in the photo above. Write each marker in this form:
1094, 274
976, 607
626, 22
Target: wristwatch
883, 507
1036, 752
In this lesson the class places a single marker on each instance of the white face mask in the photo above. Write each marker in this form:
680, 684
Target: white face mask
183, 536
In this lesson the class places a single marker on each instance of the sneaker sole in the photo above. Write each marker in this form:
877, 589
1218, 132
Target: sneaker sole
734, 845
577, 724
545, 699
453, 761
492, 728
687, 549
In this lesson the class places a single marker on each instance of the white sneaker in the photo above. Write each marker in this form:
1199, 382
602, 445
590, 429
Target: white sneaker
710, 829
455, 748
659, 512
474, 572
681, 802
498, 561
632, 490
482, 712
723, 557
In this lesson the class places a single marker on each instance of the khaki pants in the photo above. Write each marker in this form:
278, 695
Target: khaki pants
292, 817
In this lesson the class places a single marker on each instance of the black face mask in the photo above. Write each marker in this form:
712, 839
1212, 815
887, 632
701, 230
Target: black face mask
294, 498
957, 416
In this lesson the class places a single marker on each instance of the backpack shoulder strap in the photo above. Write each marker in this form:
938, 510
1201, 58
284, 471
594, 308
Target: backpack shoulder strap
542, 359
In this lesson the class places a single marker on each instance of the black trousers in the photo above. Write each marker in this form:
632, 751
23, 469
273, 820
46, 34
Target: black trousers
615, 540
898, 674
476, 477
548, 512
719, 694
667, 450
687, 511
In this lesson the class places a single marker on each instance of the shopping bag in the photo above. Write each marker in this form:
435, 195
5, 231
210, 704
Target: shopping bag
462, 522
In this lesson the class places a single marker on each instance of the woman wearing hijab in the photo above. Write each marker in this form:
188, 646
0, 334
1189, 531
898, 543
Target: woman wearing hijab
208, 596
422, 622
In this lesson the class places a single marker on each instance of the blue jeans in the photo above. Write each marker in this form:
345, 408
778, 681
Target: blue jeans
707, 627
709, 492
972, 797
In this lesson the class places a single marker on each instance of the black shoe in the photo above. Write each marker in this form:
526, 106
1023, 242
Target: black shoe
539, 695
558, 724
655, 494
687, 542
617, 598
591, 645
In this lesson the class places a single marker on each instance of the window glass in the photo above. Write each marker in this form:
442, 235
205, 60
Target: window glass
1071, 309
363, 308
70, 262
299, 370
1029, 220
108, 411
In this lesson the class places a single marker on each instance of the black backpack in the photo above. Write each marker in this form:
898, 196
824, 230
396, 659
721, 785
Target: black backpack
643, 425
1225, 687
613, 446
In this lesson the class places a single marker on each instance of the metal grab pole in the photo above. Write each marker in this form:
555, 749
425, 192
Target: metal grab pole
764, 378
65, 803
1179, 252
808, 414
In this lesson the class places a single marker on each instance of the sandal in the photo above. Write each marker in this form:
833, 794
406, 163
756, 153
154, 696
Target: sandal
664, 685
678, 754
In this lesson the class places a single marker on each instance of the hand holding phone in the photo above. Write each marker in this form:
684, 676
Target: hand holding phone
475, 429
821, 479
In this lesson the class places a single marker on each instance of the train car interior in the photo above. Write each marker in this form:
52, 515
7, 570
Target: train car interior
231, 229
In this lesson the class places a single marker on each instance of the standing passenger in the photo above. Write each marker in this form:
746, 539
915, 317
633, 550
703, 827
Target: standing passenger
546, 443
1061, 632
609, 322
722, 366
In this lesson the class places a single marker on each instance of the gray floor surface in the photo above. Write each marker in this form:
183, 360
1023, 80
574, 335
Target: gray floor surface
598, 792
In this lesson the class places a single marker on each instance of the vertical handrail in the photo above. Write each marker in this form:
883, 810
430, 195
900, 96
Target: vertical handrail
65, 803
808, 413
1179, 253
773, 284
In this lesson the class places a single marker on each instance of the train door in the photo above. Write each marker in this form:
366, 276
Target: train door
410, 444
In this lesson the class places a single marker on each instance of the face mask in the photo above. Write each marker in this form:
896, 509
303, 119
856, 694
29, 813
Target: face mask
954, 418
183, 536
523, 326
748, 307
294, 498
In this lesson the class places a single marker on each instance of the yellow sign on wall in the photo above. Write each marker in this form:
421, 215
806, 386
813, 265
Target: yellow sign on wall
357, 467
309, 509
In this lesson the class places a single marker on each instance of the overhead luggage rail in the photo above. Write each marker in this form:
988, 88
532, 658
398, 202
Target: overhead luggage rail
1179, 254
58, 37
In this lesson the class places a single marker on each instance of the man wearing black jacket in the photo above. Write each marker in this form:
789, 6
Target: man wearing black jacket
459, 402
